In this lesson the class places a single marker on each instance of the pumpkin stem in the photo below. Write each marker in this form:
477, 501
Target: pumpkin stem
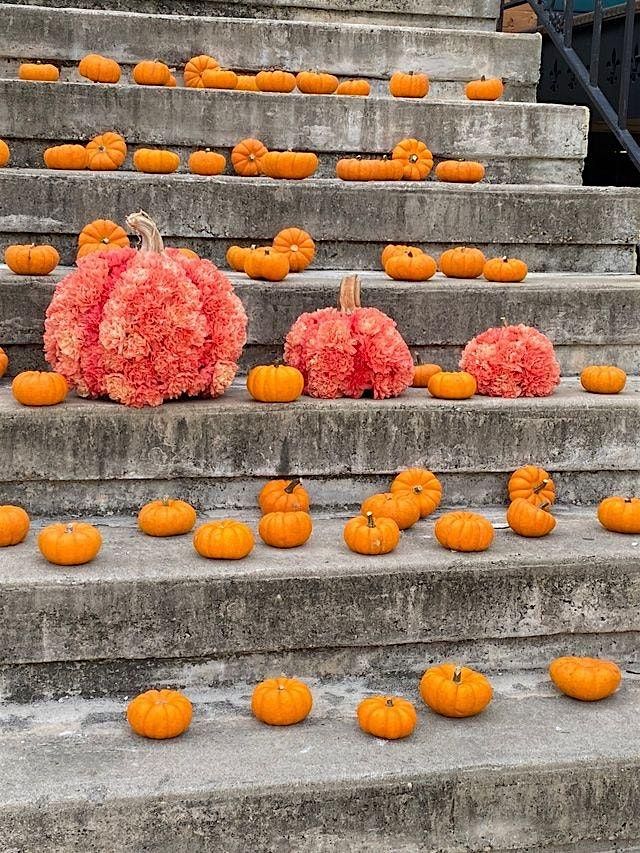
144, 225
504, 259
541, 485
292, 486
69, 527
371, 522
165, 500
457, 675
417, 489
389, 702
545, 505
349, 294
504, 321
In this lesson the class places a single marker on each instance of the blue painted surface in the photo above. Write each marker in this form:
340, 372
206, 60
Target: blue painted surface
585, 5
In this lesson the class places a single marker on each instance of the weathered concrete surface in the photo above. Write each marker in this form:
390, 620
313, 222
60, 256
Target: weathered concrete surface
343, 49
535, 771
584, 229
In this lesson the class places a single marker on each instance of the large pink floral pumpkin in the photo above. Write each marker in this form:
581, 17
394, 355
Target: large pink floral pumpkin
512, 361
145, 326
343, 353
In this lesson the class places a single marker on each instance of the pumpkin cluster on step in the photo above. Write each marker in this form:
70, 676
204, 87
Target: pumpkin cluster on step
410, 263
291, 251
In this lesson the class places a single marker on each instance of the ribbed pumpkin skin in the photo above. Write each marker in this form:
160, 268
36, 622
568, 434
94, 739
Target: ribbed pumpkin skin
106, 152
527, 519
72, 544
456, 385
464, 531
401, 506
603, 379
31, 260
264, 263
156, 161
166, 517
455, 691
505, 270
371, 536
4, 362
207, 163
160, 714
408, 85
357, 88
484, 89
620, 515
150, 72
388, 717
99, 69
5, 153
14, 525
289, 165
275, 81
297, 245
462, 262
316, 83
42, 73
275, 383
281, 701
285, 529
423, 484
247, 83
223, 540
364, 169
246, 157
394, 249
219, 78
416, 159
39, 388
101, 235
532, 483
423, 373
283, 496
587, 679
411, 266
460, 171
66, 157
195, 68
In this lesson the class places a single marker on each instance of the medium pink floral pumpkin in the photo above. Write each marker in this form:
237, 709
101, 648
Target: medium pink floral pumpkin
343, 353
141, 327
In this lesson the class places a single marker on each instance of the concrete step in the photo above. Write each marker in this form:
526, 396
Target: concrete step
583, 229
518, 142
150, 611
450, 57
445, 14
113, 459
590, 319
535, 771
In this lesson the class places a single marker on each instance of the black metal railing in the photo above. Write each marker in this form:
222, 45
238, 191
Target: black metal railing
559, 27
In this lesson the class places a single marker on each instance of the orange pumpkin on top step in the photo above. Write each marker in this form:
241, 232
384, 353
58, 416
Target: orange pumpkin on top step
39, 388
603, 379
416, 159
237, 255
410, 266
423, 373
285, 529
527, 519
462, 262
247, 83
387, 717
356, 88
196, 67
371, 536
276, 80
160, 714
281, 701
31, 259
283, 496
38, 72
14, 525
455, 691
460, 171
99, 69
452, 385
106, 152
265, 263
166, 517
587, 679
402, 506
156, 161
505, 269
275, 383
316, 83
421, 483
72, 544
533, 484
207, 162
151, 72
464, 531
620, 515
297, 245
219, 78
101, 235
66, 157
247, 156
5, 153
409, 85
226, 539
289, 165
4, 362
484, 89
394, 249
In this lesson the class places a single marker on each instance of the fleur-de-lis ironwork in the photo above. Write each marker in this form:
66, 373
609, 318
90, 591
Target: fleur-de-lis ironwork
613, 67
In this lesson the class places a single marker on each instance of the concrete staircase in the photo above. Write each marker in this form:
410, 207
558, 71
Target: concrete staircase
536, 772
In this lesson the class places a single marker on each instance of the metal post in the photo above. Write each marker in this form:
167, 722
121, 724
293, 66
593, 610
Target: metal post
568, 22
625, 68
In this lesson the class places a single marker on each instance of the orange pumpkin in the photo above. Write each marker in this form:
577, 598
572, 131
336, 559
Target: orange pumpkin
533, 484
157, 161
285, 529
166, 517
371, 536
188, 253
106, 152
423, 484
460, 171
505, 269
5, 153
394, 249
66, 157
39, 72
463, 531
35, 388
455, 691
402, 506
223, 540
281, 701
101, 235
362, 169
357, 88
587, 679
275, 383
14, 525
171, 82
620, 515
4, 362
247, 83
99, 69
72, 544
195, 68
527, 519
237, 255
160, 714
603, 379
291, 165
151, 72
247, 156
283, 496
484, 89
316, 83
423, 373
219, 78
265, 263
275, 80
207, 162
409, 85
416, 159
31, 259
388, 717
462, 262
411, 266
452, 385
297, 245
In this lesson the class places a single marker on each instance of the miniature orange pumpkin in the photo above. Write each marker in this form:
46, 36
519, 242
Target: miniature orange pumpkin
463, 531
265, 263
188, 253
620, 515
423, 484
166, 517
219, 78
66, 157
101, 235
31, 259
275, 383
72, 544
357, 88
505, 269
408, 85
462, 262
275, 80
160, 714
484, 89
527, 519
285, 529
371, 536
4, 362
157, 161
106, 152
151, 72
247, 157
39, 72
452, 385
247, 83
394, 249
423, 373
402, 506
416, 159
460, 171
5, 153
587, 679
35, 388
362, 169
411, 266
388, 717
14, 525
223, 540
99, 69
281, 701
297, 245
237, 255
603, 379
195, 68
455, 691
533, 484
292, 165
207, 162
171, 82
283, 496
316, 83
